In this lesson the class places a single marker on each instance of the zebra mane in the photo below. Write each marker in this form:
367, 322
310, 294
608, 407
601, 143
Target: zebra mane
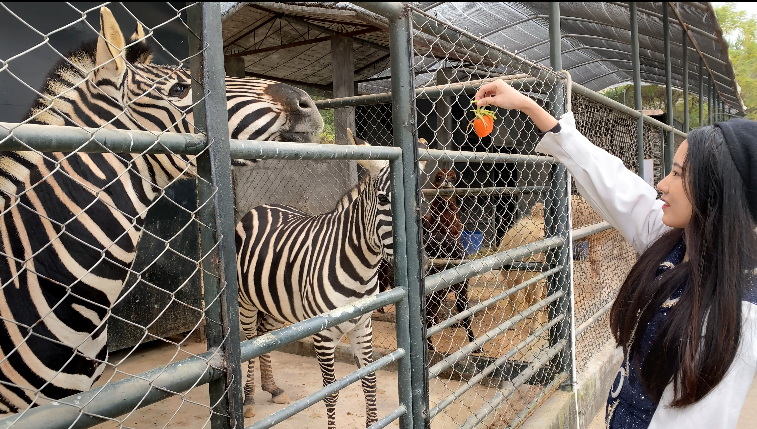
71, 70
354, 193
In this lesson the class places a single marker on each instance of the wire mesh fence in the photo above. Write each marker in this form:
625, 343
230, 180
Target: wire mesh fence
497, 334
117, 246
100, 250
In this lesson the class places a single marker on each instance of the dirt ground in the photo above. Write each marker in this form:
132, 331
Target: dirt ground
297, 375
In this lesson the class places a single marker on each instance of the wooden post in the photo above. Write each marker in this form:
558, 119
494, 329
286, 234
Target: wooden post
234, 66
443, 107
342, 61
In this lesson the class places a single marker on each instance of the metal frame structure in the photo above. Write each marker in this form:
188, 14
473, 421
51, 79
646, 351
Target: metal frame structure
225, 353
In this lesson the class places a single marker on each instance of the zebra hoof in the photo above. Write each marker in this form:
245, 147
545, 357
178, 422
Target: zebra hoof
249, 407
281, 398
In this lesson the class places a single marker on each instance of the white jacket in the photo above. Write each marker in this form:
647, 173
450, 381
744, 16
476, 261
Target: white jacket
630, 205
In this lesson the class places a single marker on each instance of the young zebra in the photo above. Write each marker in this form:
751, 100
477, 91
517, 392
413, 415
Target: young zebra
70, 223
293, 266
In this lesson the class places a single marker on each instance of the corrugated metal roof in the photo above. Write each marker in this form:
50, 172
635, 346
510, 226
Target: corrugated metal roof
273, 37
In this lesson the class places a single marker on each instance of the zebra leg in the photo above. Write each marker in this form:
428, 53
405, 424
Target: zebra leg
361, 342
268, 384
325, 345
249, 319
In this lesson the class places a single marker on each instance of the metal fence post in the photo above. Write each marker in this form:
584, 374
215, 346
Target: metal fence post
555, 219
637, 88
701, 91
670, 144
405, 136
685, 45
216, 211
710, 92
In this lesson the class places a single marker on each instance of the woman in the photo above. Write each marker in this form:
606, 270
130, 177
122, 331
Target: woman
686, 315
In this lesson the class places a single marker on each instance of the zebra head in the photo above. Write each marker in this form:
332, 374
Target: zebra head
113, 84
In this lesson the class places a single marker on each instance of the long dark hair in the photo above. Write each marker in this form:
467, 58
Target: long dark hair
721, 246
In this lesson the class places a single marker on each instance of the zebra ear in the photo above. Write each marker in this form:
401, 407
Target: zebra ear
110, 44
373, 166
139, 52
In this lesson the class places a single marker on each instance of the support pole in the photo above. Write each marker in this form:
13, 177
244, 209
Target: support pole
343, 63
555, 223
216, 211
670, 146
710, 92
637, 89
443, 107
405, 137
701, 92
685, 45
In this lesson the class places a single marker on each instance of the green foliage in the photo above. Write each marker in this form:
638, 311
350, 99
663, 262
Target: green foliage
740, 30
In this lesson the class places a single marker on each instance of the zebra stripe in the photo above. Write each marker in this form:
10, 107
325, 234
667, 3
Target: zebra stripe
70, 223
293, 266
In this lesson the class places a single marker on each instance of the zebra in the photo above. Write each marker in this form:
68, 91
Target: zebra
70, 223
292, 266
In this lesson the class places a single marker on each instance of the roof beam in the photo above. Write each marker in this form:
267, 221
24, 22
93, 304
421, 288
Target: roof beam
302, 42
289, 81
295, 19
699, 51
254, 29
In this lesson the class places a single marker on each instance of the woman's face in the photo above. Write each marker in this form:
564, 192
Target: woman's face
677, 209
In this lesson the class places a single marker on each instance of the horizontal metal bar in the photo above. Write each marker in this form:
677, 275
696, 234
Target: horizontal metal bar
592, 95
489, 369
53, 138
479, 266
389, 418
487, 157
526, 412
123, 396
489, 302
593, 319
314, 398
497, 190
518, 81
489, 336
518, 265
280, 337
248, 149
502, 395
588, 230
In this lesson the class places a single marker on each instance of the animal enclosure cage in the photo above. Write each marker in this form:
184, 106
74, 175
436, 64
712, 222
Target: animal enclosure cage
493, 251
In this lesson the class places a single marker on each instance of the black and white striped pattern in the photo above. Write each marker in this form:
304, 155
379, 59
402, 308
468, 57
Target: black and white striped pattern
293, 266
70, 223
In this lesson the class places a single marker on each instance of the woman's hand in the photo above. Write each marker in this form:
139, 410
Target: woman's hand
500, 94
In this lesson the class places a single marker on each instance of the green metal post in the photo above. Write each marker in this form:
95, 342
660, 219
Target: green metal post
701, 91
710, 104
556, 218
670, 146
637, 88
215, 199
405, 137
685, 45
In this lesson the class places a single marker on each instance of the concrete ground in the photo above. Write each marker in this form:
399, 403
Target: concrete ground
297, 375
747, 419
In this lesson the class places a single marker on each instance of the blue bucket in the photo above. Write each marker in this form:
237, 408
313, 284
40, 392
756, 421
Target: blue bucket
472, 241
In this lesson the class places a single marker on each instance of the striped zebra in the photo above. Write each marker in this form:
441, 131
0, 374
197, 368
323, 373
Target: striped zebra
70, 223
293, 266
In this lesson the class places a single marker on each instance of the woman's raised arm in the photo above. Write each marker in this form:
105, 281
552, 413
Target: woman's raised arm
621, 197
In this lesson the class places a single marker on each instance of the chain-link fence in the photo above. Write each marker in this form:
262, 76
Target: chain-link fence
456, 232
